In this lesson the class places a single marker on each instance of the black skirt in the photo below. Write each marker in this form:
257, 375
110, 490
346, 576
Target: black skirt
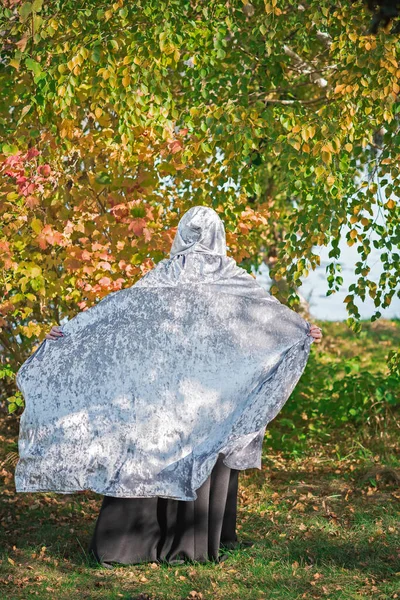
136, 530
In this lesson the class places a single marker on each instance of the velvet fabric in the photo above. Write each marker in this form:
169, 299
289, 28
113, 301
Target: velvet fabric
150, 385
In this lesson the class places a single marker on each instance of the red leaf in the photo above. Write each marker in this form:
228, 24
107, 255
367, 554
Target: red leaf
105, 282
44, 170
105, 266
31, 153
137, 226
32, 201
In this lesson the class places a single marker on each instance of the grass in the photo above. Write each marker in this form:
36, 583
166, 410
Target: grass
324, 515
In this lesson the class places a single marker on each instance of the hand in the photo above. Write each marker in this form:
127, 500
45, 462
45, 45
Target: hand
316, 333
54, 333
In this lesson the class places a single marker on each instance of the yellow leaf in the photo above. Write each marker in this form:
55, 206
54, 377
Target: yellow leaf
304, 134
14, 63
390, 204
306, 148
126, 81
36, 225
311, 131
339, 88
388, 116
348, 147
326, 157
25, 109
353, 234
98, 112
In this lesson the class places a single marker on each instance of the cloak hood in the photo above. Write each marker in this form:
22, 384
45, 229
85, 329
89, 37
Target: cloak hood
200, 230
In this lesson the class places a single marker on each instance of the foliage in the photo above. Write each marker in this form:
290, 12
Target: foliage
117, 117
343, 392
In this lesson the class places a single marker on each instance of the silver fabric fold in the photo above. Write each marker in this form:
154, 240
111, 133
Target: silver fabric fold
147, 387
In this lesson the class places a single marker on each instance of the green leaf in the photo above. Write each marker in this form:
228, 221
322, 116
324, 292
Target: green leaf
9, 149
37, 5
96, 54
25, 10
103, 178
34, 66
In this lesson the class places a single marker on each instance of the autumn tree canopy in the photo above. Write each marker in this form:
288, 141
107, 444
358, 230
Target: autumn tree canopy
115, 118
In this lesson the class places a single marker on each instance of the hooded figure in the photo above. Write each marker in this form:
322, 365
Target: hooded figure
147, 390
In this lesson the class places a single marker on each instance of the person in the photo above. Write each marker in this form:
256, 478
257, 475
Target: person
202, 358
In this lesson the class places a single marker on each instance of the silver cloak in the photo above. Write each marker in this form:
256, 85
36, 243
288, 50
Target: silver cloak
150, 384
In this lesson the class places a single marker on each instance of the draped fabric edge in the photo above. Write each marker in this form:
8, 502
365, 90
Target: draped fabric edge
227, 449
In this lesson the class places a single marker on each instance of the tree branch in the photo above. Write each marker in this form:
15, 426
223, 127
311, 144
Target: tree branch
305, 67
312, 101
324, 38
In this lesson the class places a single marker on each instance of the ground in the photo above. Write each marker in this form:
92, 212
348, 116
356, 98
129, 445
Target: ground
323, 513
